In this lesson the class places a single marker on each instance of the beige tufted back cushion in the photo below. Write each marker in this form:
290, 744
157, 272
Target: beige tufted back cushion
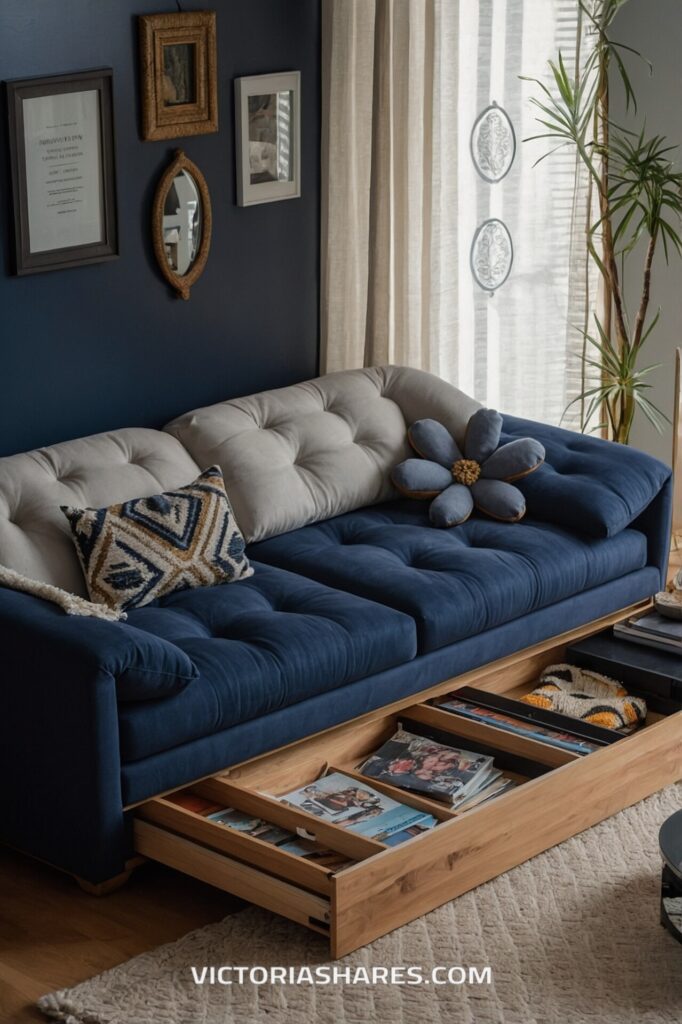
35, 538
305, 453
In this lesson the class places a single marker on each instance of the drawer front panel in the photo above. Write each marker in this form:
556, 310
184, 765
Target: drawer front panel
232, 876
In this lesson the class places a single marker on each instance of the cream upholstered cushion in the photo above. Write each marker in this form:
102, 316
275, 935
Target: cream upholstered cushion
305, 453
290, 457
35, 539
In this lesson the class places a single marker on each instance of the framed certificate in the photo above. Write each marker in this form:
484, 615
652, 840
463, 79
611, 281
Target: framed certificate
61, 132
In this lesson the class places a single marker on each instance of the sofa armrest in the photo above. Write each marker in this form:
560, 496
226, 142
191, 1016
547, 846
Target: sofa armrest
144, 666
59, 743
656, 523
596, 487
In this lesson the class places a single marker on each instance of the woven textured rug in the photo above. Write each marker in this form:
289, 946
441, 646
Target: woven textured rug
572, 937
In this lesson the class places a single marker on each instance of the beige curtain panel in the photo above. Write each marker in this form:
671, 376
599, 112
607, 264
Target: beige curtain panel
443, 247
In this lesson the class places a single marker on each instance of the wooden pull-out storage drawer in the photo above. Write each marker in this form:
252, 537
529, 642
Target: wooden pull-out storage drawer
372, 888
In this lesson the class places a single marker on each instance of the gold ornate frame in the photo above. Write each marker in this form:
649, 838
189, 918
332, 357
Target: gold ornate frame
193, 28
181, 284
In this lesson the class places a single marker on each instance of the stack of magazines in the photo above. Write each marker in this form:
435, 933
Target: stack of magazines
335, 798
458, 777
652, 630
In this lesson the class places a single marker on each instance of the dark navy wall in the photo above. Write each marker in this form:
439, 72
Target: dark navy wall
98, 347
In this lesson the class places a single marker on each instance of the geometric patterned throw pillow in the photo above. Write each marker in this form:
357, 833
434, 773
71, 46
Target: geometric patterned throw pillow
139, 550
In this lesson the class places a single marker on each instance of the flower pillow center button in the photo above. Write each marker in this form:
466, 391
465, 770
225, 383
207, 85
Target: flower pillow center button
466, 471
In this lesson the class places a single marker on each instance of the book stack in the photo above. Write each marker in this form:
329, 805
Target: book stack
652, 630
455, 776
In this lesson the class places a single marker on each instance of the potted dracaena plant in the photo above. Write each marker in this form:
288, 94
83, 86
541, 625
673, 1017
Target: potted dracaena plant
637, 192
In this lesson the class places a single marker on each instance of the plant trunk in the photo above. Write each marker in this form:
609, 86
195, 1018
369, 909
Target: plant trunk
625, 418
613, 300
602, 128
646, 292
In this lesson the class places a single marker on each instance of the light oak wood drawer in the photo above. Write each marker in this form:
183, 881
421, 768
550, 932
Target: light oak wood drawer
237, 877
379, 888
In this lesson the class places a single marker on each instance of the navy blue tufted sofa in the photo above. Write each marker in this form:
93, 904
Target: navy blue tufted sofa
356, 600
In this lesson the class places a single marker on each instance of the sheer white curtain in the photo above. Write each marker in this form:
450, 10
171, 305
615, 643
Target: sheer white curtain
422, 219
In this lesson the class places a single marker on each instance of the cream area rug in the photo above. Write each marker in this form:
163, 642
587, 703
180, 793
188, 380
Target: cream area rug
571, 937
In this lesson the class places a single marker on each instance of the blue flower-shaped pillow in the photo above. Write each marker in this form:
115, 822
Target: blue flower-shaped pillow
480, 478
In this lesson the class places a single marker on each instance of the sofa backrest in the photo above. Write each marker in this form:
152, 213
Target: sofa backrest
305, 453
35, 538
290, 457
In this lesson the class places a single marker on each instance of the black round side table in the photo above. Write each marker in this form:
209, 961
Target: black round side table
670, 839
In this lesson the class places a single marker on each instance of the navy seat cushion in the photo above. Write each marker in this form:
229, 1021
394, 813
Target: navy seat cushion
586, 483
273, 640
456, 582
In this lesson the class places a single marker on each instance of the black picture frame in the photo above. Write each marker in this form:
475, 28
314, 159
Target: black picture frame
17, 90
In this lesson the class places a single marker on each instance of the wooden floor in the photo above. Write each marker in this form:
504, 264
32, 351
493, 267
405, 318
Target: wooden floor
53, 935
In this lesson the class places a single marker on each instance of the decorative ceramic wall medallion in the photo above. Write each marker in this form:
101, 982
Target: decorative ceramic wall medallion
493, 143
492, 254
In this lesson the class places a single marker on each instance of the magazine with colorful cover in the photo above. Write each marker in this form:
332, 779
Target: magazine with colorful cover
396, 838
532, 730
279, 837
342, 800
257, 828
425, 766
483, 783
314, 852
394, 823
501, 785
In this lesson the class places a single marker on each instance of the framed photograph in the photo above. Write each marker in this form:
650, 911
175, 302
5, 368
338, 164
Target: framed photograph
179, 74
268, 125
61, 137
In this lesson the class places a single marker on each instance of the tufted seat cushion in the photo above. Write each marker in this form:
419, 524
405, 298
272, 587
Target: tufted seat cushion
274, 640
458, 582
35, 539
317, 449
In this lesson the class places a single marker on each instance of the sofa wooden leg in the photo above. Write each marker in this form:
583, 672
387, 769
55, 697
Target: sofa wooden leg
110, 885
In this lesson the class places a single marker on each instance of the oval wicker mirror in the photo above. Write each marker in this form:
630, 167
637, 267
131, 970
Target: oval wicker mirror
181, 224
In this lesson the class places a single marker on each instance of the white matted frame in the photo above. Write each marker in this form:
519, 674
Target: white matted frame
268, 143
